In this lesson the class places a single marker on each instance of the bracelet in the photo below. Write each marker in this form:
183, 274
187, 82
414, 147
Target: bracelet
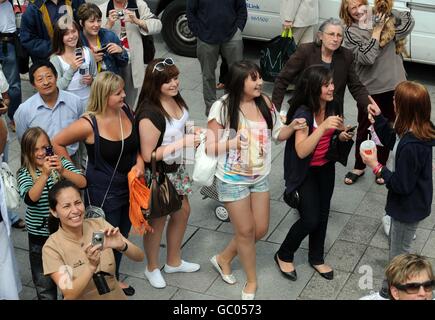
377, 169
125, 248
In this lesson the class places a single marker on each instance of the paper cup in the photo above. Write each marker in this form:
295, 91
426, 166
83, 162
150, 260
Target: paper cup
368, 146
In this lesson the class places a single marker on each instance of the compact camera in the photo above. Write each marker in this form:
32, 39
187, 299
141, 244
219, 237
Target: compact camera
98, 238
120, 14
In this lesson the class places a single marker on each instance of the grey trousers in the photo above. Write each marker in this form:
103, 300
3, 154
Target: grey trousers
208, 55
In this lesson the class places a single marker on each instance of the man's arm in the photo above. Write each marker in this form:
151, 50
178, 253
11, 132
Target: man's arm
192, 19
242, 14
3, 134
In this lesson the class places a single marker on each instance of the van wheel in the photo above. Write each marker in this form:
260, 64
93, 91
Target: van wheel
176, 32
221, 213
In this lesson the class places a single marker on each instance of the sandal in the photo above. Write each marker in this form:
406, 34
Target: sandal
19, 224
220, 86
352, 177
380, 181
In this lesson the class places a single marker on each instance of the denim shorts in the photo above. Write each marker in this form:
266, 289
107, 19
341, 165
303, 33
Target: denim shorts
228, 192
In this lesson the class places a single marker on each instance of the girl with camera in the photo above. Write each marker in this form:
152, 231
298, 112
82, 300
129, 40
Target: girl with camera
75, 255
39, 170
105, 45
74, 63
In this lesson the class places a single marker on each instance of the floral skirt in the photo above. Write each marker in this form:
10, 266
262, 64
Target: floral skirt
180, 179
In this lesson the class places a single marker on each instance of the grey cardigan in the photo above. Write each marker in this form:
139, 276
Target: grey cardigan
379, 69
64, 78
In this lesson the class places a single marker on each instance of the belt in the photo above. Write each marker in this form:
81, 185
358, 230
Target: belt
6, 39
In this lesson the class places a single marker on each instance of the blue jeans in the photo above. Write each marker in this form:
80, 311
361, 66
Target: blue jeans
9, 63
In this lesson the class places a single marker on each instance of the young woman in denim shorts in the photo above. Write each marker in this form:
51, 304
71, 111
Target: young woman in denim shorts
241, 125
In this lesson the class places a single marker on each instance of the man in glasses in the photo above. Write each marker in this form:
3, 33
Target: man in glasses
410, 277
218, 26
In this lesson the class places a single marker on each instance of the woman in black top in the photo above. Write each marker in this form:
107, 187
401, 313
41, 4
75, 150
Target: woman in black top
106, 129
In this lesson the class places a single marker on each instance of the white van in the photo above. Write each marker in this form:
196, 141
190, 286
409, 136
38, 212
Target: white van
264, 24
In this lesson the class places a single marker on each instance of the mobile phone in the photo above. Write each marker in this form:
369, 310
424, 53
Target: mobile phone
78, 52
49, 151
103, 49
97, 238
351, 129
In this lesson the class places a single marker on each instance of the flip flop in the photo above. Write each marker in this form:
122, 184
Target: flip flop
353, 177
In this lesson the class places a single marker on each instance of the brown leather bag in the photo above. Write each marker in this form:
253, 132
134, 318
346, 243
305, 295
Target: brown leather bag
164, 198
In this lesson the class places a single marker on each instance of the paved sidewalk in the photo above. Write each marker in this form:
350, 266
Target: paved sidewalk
356, 246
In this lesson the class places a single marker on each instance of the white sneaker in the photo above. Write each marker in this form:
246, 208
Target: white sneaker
386, 223
183, 267
155, 278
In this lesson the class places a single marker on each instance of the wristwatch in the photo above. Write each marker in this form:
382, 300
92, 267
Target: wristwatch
125, 248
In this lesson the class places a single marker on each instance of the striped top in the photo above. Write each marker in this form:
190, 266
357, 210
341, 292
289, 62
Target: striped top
37, 214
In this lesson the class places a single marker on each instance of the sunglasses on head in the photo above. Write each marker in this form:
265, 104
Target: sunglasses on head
160, 66
414, 287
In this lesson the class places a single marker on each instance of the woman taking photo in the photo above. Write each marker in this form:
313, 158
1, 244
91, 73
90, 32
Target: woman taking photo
241, 125
74, 63
161, 118
105, 45
130, 20
380, 68
72, 239
307, 171
107, 130
40, 170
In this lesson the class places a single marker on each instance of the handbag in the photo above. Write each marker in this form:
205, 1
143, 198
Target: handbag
205, 165
164, 198
339, 150
12, 194
292, 199
92, 211
275, 54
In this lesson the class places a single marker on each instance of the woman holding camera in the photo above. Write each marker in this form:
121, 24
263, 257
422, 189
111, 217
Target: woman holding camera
75, 255
105, 45
130, 20
74, 63
40, 169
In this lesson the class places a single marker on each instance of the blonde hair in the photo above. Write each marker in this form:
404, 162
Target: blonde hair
28, 146
344, 11
104, 85
406, 266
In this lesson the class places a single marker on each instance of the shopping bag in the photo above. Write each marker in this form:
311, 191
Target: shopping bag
205, 165
275, 54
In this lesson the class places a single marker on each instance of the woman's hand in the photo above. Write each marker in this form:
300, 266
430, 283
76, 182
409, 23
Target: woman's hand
191, 140
298, 124
332, 122
378, 25
87, 79
46, 167
111, 19
93, 253
113, 48
113, 239
287, 25
98, 56
346, 135
56, 164
373, 110
76, 63
370, 160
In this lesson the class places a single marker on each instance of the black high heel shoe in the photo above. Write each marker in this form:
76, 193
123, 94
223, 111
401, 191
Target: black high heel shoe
327, 275
289, 275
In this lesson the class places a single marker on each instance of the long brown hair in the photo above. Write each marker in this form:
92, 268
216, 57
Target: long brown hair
60, 29
151, 88
28, 146
413, 109
344, 11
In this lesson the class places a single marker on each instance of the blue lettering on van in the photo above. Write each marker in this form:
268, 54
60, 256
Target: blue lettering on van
260, 19
252, 6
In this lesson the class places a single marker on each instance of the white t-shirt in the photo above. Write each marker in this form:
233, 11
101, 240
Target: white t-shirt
7, 18
174, 132
252, 164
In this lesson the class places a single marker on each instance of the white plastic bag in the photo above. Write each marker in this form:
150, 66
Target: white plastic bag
11, 191
205, 165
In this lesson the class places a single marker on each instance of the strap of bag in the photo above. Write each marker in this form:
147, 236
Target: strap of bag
116, 167
153, 165
287, 33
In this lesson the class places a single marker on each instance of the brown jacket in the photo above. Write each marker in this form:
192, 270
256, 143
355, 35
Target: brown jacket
344, 74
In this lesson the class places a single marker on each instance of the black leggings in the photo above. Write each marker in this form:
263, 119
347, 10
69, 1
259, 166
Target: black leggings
315, 198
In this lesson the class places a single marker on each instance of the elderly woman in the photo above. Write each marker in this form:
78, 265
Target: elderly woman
378, 65
326, 50
131, 20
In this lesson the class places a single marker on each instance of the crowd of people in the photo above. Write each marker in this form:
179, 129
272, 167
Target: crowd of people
97, 100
